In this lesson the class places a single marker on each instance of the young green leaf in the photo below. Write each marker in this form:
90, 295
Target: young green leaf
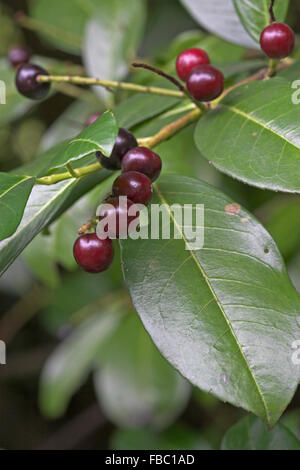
45, 204
255, 16
99, 136
224, 315
251, 434
14, 193
254, 135
135, 385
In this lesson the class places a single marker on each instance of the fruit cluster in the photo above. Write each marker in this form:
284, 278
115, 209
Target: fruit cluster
204, 82
140, 167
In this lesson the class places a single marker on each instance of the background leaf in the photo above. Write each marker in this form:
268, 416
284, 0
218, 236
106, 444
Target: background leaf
14, 193
225, 315
254, 135
220, 18
111, 39
175, 438
70, 363
135, 385
65, 21
254, 14
251, 434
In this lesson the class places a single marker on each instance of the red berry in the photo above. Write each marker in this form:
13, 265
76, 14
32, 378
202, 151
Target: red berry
277, 40
136, 186
27, 84
92, 254
18, 55
205, 83
91, 119
125, 141
144, 161
115, 212
189, 59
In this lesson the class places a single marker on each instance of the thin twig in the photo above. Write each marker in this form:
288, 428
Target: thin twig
271, 11
164, 134
173, 80
110, 84
161, 73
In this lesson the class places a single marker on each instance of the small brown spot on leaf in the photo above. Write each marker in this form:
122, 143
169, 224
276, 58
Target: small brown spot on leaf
245, 219
254, 134
232, 209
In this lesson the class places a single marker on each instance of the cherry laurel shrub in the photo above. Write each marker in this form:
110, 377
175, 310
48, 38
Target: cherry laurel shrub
226, 316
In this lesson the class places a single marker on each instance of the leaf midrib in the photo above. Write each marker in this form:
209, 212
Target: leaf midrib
256, 121
21, 181
206, 278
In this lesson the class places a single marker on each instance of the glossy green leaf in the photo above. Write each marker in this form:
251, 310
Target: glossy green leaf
255, 16
254, 135
224, 315
135, 385
69, 365
251, 434
70, 122
99, 136
14, 193
45, 204
220, 18
111, 40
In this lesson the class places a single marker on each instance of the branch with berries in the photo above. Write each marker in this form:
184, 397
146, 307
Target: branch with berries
200, 82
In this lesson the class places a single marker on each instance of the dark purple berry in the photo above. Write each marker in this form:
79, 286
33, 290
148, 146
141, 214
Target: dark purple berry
205, 83
144, 161
115, 212
136, 186
27, 84
277, 40
92, 254
125, 141
18, 56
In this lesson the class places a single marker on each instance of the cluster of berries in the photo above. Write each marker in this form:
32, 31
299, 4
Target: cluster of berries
204, 82
140, 167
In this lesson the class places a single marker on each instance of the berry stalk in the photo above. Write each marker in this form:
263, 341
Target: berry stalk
110, 84
164, 134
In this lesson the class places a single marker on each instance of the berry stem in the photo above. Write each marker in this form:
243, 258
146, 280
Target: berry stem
161, 73
88, 226
169, 131
172, 80
71, 170
271, 11
272, 67
164, 134
110, 84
